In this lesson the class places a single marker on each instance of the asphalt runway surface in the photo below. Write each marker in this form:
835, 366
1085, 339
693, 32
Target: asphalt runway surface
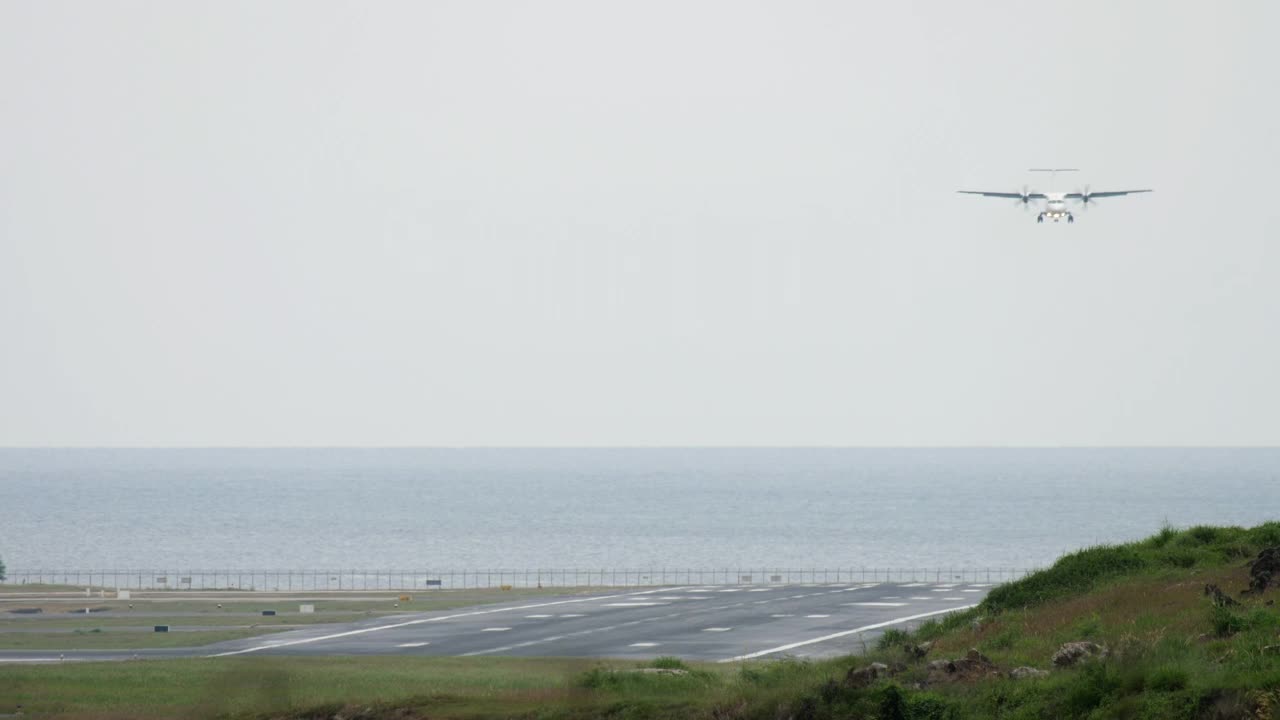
707, 623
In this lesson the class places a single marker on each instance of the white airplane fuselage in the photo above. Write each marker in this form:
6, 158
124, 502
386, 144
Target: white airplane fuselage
1055, 208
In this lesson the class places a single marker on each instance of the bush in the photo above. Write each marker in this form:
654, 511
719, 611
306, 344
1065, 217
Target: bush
1074, 573
668, 662
1168, 679
892, 638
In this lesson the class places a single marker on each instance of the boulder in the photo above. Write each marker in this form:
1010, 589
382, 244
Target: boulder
1264, 571
1074, 652
1220, 599
1027, 673
864, 676
973, 666
920, 650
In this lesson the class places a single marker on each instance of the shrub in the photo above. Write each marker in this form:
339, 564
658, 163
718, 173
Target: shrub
892, 638
1073, 573
668, 662
1168, 679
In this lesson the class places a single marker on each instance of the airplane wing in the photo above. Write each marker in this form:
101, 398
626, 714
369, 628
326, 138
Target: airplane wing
1014, 195
1107, 193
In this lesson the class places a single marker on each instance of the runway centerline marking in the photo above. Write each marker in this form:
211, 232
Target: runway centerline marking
716, 629
643, 644
413, 645
843, 633
421, 621
495, 629
881, 604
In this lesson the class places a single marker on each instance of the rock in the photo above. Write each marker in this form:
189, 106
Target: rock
1264, 571
1220, 599
1027, 673
864, 676
973, 666
919, 651
1073, 652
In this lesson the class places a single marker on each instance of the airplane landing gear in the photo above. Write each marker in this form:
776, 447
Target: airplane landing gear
1040, 218
1070, 218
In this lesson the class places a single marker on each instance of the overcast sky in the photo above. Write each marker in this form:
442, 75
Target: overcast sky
644, 223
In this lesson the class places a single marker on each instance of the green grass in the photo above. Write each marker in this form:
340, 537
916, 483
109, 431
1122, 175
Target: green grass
88, 639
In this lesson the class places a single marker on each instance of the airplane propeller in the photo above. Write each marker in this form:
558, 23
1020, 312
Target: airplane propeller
1025, 200
1086, 199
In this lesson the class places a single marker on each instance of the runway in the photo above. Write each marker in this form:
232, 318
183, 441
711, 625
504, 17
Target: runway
706, 623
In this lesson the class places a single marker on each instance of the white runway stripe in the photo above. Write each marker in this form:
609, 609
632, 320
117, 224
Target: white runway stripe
876, 604
844, 633
413, 645
419, 621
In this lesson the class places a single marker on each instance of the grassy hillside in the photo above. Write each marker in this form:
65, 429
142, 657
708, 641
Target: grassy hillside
1171, 652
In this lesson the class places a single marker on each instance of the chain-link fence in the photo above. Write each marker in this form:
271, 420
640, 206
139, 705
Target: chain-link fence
341, 580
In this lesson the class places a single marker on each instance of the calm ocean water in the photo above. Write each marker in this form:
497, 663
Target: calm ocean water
253, 509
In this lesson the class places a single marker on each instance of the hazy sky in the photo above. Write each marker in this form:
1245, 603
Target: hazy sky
645, 223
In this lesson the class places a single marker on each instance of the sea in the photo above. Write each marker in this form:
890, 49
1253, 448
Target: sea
101, 509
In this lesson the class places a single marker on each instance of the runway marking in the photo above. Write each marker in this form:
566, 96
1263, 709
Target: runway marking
512, 647
495, 629
970, 591
913, 585
417, 644
716, 629
572, 615
843, 633
941, 590
732, 590
879, 604
892, 597
643, 644
697, 597
539, 617
759, 589
781, 615
979, 584
674, 597
921, 598
760, 602
817, 616
633, 604
420, 621
953, 598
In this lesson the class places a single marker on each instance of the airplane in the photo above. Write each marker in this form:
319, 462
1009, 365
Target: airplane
1055, 207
